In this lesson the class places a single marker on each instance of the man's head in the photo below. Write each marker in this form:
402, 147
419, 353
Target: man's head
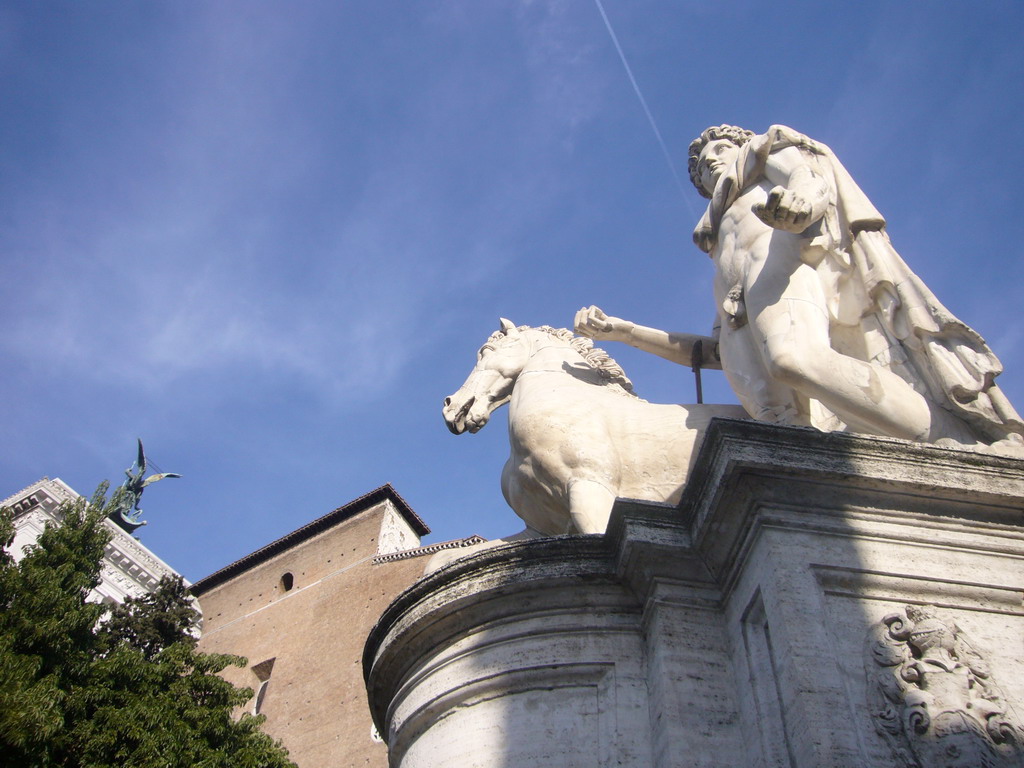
731, 133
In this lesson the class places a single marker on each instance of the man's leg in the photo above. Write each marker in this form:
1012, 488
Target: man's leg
794, 331
763, 398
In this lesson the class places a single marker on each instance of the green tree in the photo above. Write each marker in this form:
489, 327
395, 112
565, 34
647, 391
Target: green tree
81, 687
155, 620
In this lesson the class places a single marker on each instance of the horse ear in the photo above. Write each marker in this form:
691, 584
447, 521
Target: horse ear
507, 327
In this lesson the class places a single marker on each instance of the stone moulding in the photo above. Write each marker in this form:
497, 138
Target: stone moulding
822, 478
501, 623
503, 570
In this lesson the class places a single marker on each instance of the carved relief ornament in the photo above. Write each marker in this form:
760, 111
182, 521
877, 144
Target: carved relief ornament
933, 698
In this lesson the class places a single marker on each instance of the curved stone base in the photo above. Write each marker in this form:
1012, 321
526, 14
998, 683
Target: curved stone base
535, 659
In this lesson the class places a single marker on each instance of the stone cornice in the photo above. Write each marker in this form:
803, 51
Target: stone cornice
745, 467
44, 492
750, 476
439, 606
429, 549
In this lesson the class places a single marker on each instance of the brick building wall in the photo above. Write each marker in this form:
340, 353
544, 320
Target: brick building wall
300, 609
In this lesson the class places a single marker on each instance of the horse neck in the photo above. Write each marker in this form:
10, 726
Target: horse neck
549, 354
548, 369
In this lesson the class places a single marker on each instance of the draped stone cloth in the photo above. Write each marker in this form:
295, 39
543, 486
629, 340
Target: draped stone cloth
880, 310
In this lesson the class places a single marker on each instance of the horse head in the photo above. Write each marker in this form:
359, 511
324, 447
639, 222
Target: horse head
489, 385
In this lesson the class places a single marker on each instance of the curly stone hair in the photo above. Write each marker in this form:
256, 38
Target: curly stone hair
735, 134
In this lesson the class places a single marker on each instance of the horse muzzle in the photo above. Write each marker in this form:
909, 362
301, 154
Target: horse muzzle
455, 415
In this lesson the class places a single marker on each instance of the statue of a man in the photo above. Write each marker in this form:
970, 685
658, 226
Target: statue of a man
820, 322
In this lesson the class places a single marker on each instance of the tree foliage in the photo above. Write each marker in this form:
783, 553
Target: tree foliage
82, 686
155, 620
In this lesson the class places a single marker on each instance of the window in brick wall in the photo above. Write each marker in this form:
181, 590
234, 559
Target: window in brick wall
262, 672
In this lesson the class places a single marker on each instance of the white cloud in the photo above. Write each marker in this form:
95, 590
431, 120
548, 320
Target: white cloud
561, 55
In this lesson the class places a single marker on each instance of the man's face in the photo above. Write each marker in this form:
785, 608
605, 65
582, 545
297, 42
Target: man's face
716, 157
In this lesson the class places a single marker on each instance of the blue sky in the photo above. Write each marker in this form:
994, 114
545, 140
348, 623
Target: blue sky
269, 237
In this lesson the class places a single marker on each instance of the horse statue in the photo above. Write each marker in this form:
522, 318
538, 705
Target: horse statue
579, 436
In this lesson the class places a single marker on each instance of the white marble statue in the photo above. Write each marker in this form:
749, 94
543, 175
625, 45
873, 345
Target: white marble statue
820, 322
579, 436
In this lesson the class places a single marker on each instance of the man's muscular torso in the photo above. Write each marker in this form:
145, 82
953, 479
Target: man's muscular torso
741, 253
749, 254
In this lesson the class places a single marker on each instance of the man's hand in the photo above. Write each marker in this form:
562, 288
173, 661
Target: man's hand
786, 210
593, 323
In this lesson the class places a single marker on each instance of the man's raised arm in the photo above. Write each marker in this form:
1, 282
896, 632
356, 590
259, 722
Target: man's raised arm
801, 194
677, 347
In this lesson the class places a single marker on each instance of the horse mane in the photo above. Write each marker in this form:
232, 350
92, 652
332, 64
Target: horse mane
610, 371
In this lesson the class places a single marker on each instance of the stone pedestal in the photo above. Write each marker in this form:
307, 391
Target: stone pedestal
815, 600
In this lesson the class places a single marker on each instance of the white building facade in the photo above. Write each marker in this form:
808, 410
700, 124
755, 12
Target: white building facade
128, 569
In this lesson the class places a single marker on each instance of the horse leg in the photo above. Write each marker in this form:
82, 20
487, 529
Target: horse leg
590, 506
